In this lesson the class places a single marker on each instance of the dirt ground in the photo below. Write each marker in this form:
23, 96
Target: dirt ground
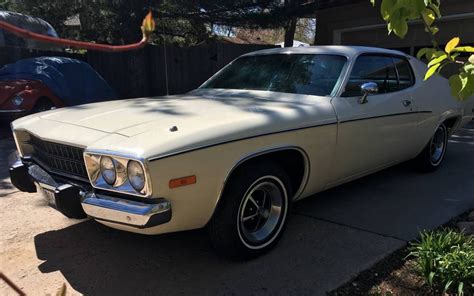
17, 248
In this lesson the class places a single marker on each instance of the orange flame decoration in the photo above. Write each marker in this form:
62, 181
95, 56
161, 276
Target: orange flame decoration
147, 28
148, 25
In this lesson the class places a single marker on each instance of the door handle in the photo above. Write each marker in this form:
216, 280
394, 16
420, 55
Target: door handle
406, 103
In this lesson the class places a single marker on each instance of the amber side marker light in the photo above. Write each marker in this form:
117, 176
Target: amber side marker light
183, 181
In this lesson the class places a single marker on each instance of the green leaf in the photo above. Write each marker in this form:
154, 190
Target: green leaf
435, 9
464, 81
452, 44
428, 16
434, 30
400, 28
437, 60
431, 71
437, 54
386, 8
454, 56
455, 84
461, 289
430, 278
464, 49
469, 68
448, 284
422, 52
430, 54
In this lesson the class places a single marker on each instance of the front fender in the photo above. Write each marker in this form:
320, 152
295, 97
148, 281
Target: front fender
193, 205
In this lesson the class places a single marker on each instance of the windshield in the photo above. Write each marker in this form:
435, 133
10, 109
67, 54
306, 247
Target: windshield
309, 74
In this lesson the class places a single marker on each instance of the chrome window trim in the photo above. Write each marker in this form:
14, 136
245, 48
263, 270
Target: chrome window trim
126, 188
389, 55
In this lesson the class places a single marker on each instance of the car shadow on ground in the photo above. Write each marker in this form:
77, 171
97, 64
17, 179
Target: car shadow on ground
313, 257
330, 238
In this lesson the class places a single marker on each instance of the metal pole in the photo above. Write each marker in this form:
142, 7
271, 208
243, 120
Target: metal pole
166, 61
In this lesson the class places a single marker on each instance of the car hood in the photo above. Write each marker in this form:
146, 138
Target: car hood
163, 125
135, 116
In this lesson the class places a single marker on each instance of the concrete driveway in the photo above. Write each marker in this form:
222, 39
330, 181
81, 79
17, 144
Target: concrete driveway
329, 240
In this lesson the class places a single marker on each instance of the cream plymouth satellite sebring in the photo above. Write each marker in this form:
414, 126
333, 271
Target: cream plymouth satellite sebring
272, 127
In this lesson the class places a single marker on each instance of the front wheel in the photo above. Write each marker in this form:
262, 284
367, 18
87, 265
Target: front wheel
252, 214
433, 154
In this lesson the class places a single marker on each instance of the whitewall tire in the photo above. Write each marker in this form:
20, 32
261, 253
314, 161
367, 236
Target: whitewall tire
253, 211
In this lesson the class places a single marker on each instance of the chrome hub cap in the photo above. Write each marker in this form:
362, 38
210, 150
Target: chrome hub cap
437, 146
261, 211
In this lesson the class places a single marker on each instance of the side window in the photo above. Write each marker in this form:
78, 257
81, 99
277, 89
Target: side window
378, 69
405, 74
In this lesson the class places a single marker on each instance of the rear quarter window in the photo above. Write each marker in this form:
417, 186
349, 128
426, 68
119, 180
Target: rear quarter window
372, 68
405, 73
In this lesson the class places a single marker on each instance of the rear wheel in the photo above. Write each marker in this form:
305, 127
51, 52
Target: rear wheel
252, 214
433, 154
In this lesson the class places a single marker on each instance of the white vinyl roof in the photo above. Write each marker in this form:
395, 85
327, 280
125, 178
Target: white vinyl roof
349, 51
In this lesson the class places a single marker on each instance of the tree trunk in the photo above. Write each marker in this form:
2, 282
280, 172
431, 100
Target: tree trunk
290, 29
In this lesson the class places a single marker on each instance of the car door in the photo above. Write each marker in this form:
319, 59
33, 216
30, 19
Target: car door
380, 131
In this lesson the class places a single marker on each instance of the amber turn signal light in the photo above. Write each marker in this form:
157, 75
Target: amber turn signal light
184, 181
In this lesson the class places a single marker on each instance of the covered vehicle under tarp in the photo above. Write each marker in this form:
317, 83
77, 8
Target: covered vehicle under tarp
73, 81
29, 23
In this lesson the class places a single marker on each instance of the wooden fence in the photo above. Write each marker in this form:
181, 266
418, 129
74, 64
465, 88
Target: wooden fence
143, 72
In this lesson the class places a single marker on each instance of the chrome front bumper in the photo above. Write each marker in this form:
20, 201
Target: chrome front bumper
76, 201
121, 211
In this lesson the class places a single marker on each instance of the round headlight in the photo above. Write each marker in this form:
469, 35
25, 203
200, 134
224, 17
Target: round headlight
107, 169
136, 175
17, 100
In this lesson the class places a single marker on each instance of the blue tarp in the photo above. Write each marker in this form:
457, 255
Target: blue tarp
73, 81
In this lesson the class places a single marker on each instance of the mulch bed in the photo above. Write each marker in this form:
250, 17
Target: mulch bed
393, 275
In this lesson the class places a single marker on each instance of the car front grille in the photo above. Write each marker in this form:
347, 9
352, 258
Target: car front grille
57, 158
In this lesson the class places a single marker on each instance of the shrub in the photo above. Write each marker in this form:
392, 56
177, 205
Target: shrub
446, 260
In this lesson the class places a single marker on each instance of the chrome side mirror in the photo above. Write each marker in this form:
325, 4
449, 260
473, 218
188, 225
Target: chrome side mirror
366, 89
